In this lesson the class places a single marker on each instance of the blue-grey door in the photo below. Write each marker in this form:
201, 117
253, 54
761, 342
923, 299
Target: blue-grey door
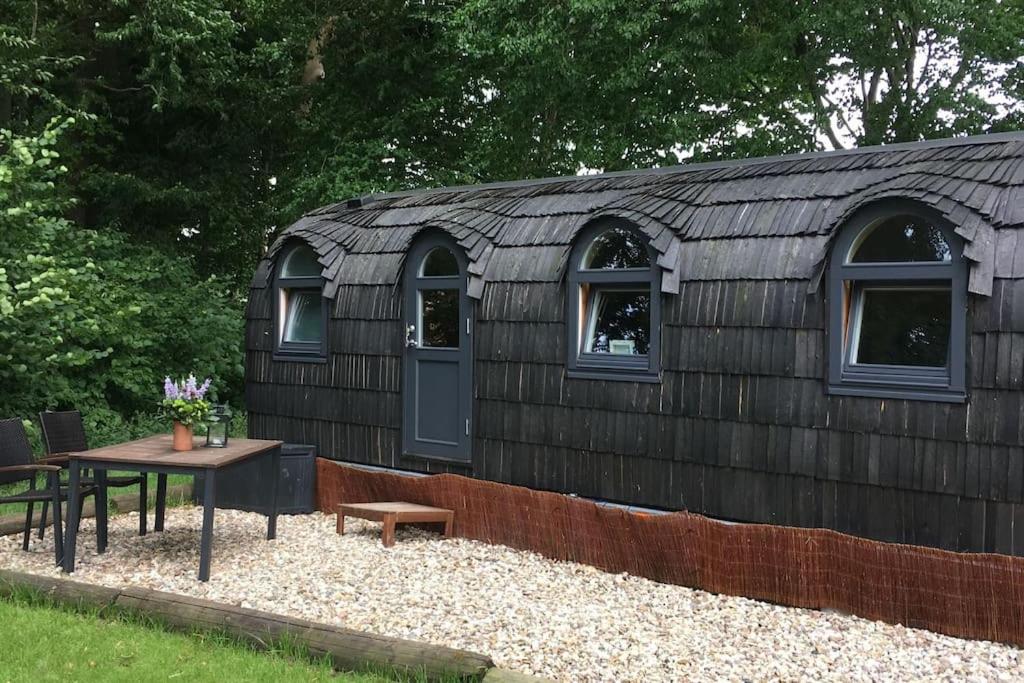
438, 369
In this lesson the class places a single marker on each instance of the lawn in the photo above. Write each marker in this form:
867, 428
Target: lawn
45, 643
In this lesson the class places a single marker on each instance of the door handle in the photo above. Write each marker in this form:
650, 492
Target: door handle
410, 337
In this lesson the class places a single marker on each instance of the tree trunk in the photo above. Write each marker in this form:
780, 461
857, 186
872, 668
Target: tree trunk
6, 105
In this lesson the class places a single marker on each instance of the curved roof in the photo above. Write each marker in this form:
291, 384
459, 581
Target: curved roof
767, 218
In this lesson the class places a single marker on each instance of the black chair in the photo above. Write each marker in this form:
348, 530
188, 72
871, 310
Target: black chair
63, 432
17, 464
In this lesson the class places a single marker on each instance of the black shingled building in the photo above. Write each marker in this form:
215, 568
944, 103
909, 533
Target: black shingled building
830, 340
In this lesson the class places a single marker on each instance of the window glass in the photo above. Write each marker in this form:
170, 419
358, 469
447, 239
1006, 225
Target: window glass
439, 318
302, 316
301, 262
902, 238
618, 322
439, 263
904, 327
615, 249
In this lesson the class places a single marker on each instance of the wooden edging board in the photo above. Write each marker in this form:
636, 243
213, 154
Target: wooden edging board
125, 502
347, 649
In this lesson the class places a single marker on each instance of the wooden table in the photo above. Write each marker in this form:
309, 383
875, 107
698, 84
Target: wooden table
154, 454
393, 513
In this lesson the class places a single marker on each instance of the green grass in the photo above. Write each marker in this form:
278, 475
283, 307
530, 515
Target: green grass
48, 641
45, 643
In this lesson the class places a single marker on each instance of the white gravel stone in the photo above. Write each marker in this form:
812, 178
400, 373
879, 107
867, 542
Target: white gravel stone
562, 620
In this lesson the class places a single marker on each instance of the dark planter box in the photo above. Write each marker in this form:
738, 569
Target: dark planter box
247, 486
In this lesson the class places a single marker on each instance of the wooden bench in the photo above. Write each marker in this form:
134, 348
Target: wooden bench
393, 513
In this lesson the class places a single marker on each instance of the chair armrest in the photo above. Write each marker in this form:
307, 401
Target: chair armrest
30, 468
53, 458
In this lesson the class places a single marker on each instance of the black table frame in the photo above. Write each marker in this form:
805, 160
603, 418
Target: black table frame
100, 469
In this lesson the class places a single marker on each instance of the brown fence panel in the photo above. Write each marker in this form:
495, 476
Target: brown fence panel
966, 595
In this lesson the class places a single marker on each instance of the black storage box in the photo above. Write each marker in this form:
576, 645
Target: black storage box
246, 486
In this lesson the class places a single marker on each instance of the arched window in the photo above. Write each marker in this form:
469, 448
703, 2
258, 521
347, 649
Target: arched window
898, 306
300, 310
614, 305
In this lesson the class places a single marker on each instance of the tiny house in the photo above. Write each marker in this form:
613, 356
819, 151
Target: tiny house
822, 340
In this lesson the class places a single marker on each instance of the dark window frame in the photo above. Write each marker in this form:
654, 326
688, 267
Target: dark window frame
604, 366
303, 352
846, 285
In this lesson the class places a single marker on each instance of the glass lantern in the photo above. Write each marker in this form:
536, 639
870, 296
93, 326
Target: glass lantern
217, 427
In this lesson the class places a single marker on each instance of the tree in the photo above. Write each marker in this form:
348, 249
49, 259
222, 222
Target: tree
390, 111
900, 70
185, 109
611, 84
90, 320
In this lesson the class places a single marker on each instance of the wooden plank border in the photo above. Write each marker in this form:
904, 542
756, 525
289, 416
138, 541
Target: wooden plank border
346, 648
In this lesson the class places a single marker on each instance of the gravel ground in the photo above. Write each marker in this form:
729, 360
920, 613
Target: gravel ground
563, 620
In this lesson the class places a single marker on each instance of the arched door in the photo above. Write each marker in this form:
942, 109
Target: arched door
438, 370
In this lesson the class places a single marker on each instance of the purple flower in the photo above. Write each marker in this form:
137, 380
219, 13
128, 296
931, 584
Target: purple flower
187, 389
190, 387
170, 388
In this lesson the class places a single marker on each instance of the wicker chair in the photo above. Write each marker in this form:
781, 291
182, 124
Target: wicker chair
63, 432
17, 464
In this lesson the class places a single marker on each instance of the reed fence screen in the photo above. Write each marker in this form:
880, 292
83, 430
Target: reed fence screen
967, 595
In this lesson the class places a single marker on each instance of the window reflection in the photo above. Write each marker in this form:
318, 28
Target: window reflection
302, 316
618, 322
904, 327
902, 238
301, 262
439, 318
614, 249
439, 263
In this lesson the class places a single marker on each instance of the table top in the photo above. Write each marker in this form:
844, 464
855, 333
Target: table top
391, 506
156, 450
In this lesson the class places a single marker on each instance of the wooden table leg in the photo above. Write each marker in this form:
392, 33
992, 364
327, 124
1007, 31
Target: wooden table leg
161, 502
449, 522
388, 534
74, 479
340, 528
206, 541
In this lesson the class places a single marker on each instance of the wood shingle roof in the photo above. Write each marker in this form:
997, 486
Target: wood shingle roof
758, 219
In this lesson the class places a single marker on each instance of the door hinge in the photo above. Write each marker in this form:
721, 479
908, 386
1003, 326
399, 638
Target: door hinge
467, 426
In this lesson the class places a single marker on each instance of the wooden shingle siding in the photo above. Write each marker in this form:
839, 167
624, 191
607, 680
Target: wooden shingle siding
740, 425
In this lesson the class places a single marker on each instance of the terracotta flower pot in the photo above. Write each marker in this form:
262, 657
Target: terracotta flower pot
182, 437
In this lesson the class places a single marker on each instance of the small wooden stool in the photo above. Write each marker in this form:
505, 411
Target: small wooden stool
395, 513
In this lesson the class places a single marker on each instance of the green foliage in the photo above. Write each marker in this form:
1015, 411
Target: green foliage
203, 127
185, 411
613, 84
862, 72
51, 644
92, 320
190, 108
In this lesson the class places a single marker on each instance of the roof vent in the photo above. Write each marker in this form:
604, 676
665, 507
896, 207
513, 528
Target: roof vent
357, 202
